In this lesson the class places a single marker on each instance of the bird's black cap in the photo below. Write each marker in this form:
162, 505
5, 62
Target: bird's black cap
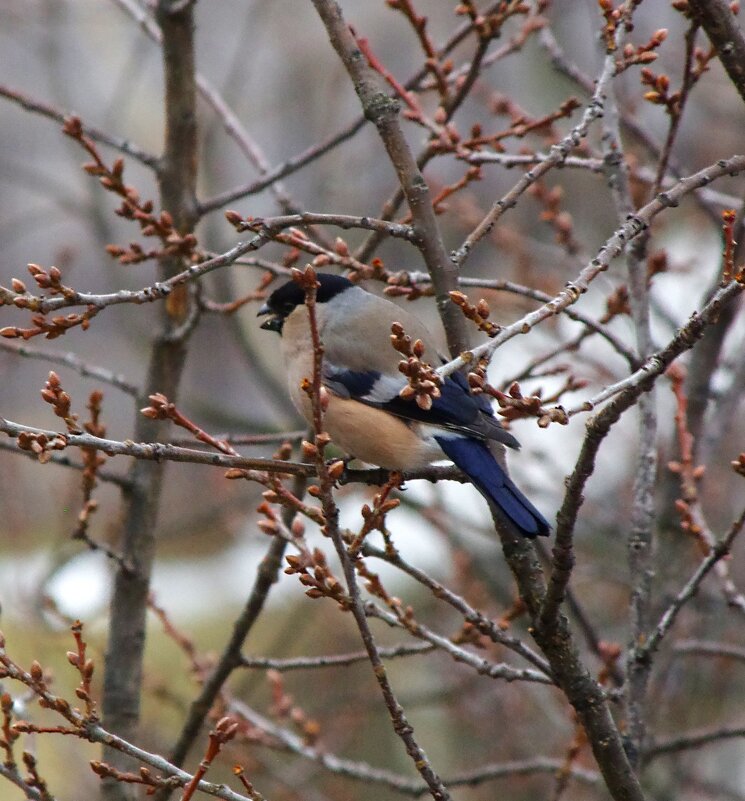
289, 296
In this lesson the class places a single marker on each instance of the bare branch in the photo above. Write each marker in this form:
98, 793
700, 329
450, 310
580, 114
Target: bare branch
74, 362
332, 660
716, 649
123, 145
686, 742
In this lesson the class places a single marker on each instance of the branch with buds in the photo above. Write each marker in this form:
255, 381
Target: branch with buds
423, 382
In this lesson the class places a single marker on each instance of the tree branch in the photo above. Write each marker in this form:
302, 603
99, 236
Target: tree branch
721, 27
381, 110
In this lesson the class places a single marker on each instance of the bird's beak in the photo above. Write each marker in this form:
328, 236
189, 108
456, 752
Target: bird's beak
273, 323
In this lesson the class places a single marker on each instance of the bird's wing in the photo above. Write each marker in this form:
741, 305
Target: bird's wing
455, 410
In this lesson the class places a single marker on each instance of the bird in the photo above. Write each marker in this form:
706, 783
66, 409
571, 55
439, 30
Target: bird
366, 416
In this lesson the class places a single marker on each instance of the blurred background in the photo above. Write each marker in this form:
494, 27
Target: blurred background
272, 64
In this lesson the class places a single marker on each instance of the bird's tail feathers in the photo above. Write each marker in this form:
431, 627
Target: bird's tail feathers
476, 460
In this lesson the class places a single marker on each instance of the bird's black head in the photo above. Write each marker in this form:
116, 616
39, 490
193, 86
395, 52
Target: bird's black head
290, 295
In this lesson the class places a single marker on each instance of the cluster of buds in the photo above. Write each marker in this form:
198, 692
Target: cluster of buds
423, 382
729, 217
473, 173
242, 224
132, 207
641, 54
284, 707
401, 285
50, 280
161, 408
478, 313
659, 85
281, 495
143, 776
56, 327
41, 444
92, 461
313, 572
514, 405
521, 124
689, 523
659, 91
306, 279
96, 428
85, 667
174, 243
314, 450
374, 516
469, 634
612, 18
270, 524
60, 401
7, 734
488, 25
558, 219
37, 680
477, 378
617, 303
18, 296
373, 584
610, 653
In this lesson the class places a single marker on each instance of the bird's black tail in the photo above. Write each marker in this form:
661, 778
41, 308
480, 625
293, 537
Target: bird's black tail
476, 460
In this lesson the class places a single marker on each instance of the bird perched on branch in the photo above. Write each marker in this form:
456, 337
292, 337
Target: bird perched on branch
373, 412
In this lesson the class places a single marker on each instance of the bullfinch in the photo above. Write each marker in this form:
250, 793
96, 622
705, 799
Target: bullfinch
366, 416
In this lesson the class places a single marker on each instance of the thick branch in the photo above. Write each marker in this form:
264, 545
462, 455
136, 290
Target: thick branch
177, 180
380, 109
721, 27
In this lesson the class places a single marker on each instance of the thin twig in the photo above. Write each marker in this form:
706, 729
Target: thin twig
685, 742
707, 648
493, 670
123, 145
332, 660
471, 615
74, 362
